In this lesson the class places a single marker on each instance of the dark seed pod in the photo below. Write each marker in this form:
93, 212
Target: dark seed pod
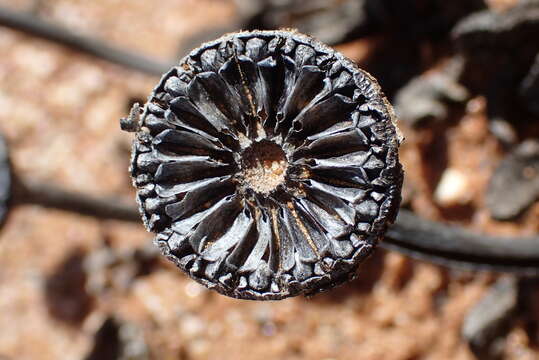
267, 165
514, 186
497, 64
332, 22
5, 180
338, 21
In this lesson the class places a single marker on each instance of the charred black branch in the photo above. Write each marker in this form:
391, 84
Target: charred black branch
35, 26
457, 247
51, 196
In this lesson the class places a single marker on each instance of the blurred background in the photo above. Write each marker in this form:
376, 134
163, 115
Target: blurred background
464, 78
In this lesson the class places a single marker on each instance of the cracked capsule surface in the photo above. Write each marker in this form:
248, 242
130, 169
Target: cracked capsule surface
267, 165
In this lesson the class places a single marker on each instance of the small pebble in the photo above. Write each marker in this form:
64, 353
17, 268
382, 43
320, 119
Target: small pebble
453, 188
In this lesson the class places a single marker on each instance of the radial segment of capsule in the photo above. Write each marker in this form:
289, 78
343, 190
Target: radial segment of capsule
267, 165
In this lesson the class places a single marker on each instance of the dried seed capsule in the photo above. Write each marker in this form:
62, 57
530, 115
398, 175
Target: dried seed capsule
338, 21
331, 21
514, 186
5, 180
270, 165
497, 64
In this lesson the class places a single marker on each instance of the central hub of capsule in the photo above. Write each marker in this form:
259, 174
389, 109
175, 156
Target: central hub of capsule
263, 166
